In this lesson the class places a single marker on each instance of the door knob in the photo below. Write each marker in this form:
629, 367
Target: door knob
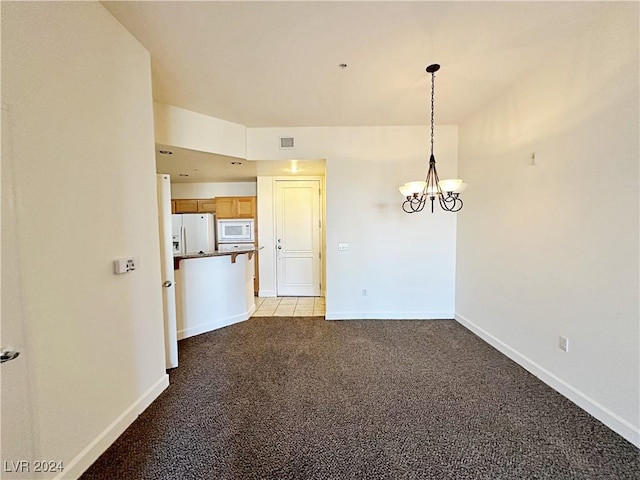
279, 247
7, 355
167, 283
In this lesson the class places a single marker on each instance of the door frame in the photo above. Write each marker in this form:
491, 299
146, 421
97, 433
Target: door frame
266, 204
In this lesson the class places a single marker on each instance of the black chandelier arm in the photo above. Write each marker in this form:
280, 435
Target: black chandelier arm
413, 204
451, 202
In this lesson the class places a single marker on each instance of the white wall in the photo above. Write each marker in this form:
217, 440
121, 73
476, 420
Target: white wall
552, 249
186, 129
78, 87
213, 189
406, 262
265, 211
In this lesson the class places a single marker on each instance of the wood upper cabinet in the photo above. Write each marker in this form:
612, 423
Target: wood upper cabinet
207, 205
236, 207
194, 205
225, 207
186, 205
246, 207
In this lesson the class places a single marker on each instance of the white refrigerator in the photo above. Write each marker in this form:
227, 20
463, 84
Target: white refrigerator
193, 233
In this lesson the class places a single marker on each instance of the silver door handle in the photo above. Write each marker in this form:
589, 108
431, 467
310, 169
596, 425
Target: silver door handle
8, 355
167, 283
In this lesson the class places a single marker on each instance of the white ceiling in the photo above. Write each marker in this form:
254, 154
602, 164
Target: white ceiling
266, 64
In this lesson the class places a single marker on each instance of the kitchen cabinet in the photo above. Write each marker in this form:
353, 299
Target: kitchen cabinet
186, 205
236, 207
207, 205
226, 207
193, 205
246, 207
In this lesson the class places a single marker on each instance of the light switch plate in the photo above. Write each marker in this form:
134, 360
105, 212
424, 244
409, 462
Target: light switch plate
563, 343
124, 265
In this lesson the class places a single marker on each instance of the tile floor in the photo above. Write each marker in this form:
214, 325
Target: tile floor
289, 307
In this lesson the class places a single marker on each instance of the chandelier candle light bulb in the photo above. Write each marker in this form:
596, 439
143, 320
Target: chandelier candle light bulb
416, 193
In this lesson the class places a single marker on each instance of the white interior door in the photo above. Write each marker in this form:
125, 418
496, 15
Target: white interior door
168, 278
17, 419
298, 237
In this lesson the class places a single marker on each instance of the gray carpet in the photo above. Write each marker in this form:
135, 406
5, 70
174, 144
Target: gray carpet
305, 398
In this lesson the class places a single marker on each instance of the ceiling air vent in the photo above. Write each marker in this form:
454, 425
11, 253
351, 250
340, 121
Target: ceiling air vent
286, 142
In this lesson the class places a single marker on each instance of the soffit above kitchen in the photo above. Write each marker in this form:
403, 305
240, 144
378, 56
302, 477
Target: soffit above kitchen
267, 64
191, 166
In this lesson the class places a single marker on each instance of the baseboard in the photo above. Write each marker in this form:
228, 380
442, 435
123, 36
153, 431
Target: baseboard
220, 323
267, 293
602, 413
99, 445
395, 315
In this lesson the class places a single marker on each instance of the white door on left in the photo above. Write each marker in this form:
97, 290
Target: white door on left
168, 275
18, 441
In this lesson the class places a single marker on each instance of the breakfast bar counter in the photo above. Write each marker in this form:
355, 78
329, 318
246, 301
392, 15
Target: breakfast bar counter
215, 253
213, 290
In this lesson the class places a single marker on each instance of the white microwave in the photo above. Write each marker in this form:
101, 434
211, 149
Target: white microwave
234, 231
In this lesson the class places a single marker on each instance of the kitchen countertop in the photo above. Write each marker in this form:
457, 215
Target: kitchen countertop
214, 253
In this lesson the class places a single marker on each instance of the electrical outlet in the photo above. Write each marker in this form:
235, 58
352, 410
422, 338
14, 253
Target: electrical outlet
563, 343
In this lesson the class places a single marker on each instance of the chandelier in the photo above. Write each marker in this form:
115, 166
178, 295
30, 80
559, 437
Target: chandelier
446, 191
